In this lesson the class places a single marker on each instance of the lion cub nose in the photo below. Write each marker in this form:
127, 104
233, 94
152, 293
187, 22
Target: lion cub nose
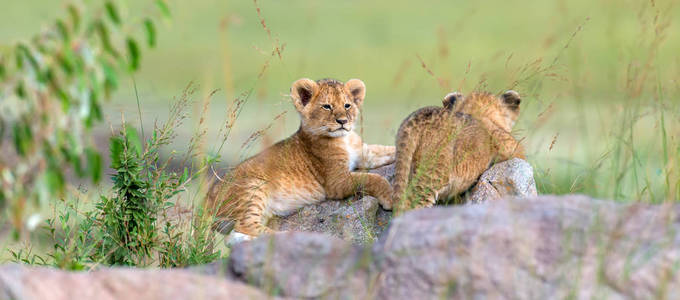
341, 121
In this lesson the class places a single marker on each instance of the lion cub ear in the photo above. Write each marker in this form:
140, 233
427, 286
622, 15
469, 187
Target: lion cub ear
302, 92
451, 98
357, 90
511, 99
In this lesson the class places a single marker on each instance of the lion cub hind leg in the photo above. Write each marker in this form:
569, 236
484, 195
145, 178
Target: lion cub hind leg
375, 156
418, 195
423, 191
250, 219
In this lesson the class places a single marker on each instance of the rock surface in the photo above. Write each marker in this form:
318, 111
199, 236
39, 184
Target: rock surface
354, 220
537, 248
514, 177
19, 282
362, 220
520, 248
300, 264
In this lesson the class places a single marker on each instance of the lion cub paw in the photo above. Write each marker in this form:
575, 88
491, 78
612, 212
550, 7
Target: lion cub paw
386, 204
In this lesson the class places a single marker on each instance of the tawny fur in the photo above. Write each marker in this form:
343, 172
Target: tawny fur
315, 163
442, 151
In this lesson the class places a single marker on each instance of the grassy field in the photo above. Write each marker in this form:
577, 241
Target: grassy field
599, 79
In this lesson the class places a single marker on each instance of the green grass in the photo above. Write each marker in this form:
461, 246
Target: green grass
602, 99
599, 79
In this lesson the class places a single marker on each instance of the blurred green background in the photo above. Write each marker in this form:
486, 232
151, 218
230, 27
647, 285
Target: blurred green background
599, 79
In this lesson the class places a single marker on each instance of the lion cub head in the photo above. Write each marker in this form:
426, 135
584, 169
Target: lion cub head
502, 111
328, 107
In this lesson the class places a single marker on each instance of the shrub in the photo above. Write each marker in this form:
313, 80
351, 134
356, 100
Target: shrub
133, 224
51, 88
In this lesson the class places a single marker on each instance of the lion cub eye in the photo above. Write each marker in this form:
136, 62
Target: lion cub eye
347, 105
326, 106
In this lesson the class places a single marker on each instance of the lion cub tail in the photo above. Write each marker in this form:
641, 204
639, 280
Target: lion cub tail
407, 140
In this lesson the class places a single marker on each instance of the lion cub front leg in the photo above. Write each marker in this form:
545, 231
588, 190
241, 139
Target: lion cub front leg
373, 184
375, 156
376, 186
252, 225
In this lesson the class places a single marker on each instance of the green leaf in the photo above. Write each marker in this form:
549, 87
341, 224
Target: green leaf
163, 7
184, 176
3, 70
110, 78
112, 12
116, 148
95, 111
75, 16
19, 60
103, 33
94, 164
133, 139
20, 90
62, 30
23, 137
54, 176
133, 53
65, 64
56, 88
150, 33
22, 50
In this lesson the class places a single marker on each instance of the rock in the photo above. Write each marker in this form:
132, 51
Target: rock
22, 282
359, 220
385, 171
514, 177
353, 219
300, 264
519, 248
536, 248
547, 247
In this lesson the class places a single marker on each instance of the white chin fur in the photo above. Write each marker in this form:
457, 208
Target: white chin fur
338, 133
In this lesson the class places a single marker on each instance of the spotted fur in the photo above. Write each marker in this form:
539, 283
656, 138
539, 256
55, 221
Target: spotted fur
441, 151
315, 163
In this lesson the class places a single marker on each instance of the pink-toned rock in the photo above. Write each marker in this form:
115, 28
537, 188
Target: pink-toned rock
544, 247
22, 282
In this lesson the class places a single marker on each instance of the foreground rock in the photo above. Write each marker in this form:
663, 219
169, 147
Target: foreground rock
545, 247
20, 282
532, 248
300, 264
362, 220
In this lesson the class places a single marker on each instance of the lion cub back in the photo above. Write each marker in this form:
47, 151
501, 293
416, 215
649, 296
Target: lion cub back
441, 151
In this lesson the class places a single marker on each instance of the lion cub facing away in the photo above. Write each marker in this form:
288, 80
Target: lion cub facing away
442, 151
315, 163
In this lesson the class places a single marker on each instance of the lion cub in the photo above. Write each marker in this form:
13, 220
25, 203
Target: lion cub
441, 151
315, 163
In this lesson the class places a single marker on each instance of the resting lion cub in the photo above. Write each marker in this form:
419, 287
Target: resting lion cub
315, 163
442, 151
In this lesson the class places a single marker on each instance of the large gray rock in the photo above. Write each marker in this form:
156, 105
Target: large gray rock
362, 220
536, 248
352, 219
19, 282
514, 177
